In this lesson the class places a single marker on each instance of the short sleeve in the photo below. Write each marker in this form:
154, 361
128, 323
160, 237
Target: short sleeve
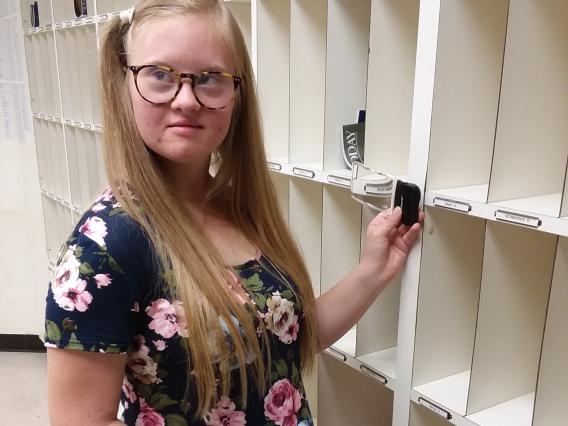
99, 283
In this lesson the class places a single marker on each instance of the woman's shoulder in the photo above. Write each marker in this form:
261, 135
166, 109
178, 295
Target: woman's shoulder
109, 230
106, 219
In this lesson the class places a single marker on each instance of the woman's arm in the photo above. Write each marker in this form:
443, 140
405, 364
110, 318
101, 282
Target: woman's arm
385, 252
84, 387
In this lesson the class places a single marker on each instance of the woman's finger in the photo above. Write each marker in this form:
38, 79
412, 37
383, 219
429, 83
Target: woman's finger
410, 236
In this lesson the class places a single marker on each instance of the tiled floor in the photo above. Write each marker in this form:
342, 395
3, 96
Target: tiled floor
23, 389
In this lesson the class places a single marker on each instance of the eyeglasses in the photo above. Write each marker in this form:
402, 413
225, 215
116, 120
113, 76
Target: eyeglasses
160, 84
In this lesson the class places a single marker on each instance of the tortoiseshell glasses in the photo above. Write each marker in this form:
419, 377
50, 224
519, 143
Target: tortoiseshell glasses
159, 84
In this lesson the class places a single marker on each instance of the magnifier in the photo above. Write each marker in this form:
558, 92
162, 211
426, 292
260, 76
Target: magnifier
381, 191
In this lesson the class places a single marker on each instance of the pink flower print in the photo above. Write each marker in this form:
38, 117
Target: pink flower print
67, 272
98, 207
139, 344
180, 318
290, 421
128, 390
102, 280
142, 367
148, 416
282, 403
164, 318
225, 414
281, 319
291, 334
95, 228
74, 296
160, 345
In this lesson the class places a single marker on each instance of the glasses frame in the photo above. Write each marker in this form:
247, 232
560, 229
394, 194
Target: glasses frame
179, 77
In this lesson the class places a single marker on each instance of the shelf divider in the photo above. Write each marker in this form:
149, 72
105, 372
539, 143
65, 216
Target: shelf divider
471, 42
530, 143
392, 60
550, 404
517, 273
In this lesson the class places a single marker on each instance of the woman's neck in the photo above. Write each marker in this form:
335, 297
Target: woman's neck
190, 182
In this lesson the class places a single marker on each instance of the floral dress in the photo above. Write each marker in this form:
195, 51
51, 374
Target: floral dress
103, 297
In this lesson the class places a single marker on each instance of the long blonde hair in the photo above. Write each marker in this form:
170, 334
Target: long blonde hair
242, 180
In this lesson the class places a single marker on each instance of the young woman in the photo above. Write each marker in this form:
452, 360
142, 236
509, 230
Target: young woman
181, 290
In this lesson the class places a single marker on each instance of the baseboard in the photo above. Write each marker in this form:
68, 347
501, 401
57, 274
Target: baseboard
21, 343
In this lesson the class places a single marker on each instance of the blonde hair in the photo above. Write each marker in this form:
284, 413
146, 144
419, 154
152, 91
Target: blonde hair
242, 180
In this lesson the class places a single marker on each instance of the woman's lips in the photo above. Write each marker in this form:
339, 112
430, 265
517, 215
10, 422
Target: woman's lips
185, 129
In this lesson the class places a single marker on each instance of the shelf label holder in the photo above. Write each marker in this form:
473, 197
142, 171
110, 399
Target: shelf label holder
298, 171
433, 407
373, 374
517, 218
339, 180
447, 203
336, 354
274, 166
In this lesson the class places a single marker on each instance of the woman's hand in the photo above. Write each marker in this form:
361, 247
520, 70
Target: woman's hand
387, 246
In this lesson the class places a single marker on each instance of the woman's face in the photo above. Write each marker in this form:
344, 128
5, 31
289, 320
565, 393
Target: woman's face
182, 131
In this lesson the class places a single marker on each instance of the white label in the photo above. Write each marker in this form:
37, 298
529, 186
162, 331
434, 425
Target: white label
68, 122
452, 204
59, 25
57, 119
303, 172
521, 219
274, 166
77, 124
339, 180
336, 354
49, 117
68, 23
378, 188
87, 126
77, 21
97, 128
103, 17
89, 20
40, 28
434, 408
35, 115
372, 373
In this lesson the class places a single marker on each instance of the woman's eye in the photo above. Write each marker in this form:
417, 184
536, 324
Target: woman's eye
206, 79
161, 75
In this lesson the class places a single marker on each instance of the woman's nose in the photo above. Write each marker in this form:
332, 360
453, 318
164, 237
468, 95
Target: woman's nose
186, 99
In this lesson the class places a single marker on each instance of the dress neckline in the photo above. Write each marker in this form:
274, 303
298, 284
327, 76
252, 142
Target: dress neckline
250, 261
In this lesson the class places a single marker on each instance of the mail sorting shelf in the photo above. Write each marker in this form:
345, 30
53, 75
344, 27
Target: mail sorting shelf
500, 102
483, 302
